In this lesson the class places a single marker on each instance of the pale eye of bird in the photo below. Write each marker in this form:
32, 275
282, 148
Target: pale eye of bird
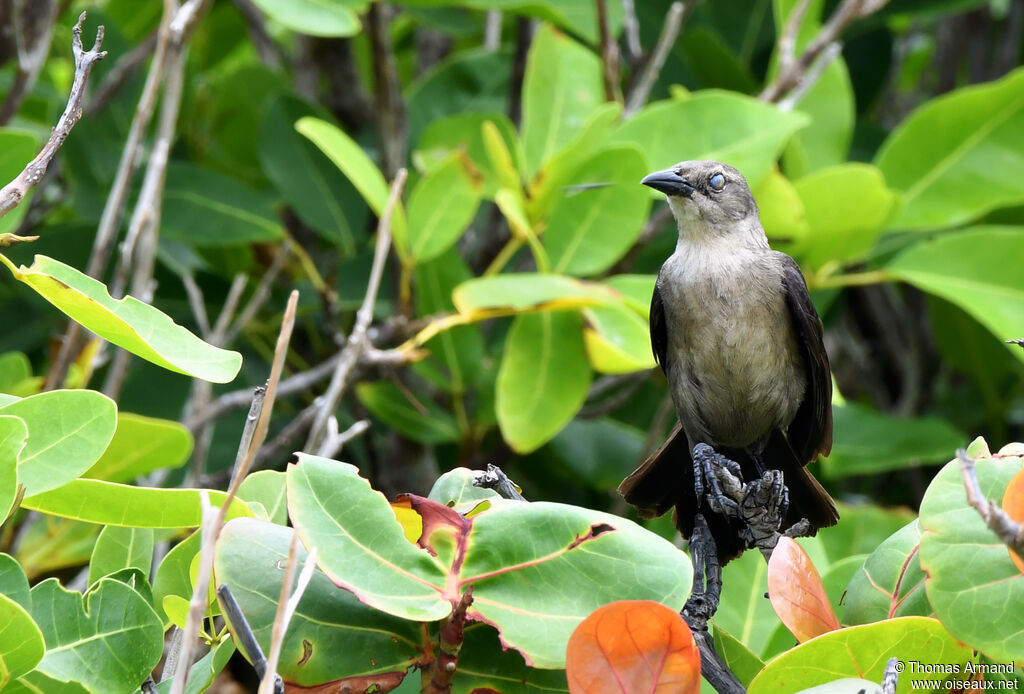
717, 181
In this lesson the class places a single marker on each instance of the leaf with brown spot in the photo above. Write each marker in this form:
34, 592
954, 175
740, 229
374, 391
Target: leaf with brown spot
797, 594
377, 684
1013, 504
633, 646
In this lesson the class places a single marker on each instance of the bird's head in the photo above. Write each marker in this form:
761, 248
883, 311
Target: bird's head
707, 193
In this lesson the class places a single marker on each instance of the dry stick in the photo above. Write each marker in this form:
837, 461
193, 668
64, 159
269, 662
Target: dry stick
197, 605
335, 441
669, 33
1008, 531
492, 30
631, 27
357, 339
794, 70
14, 192
286, 607
609, 55
197, 303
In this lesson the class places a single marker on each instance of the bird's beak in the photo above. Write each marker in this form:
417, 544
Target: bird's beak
668, 182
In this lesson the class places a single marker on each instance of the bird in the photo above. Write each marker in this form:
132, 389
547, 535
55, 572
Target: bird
740, 343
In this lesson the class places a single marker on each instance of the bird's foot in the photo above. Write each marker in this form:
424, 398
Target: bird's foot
720, 477
802, 528
764, 505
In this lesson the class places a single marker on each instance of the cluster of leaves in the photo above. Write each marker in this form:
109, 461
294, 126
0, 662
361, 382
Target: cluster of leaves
525, 255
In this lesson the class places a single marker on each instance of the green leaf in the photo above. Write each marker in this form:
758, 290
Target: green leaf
266, 487
107, 503
360, 171
128, 322
590, 230
486, 665
781, 209
332, 634
312, 185
829, 101
543, 379
119, 548
13, 582
954, 536
582, 558
724, 126
15, 374
862, 651
109, 639
870, 442
463, 133
891, 582
976, 269
599, 450
209, 209
744, 664
316, 17
21, 642
204, 671
173, 577
561, 87
361, 546
844, 207
864, 528
578, 17
13, 437
51, 544
528, 291
456, 490
140, 446
953, 158
617, 340
636, 291
17, 148
68, 430
423, 421
441, 206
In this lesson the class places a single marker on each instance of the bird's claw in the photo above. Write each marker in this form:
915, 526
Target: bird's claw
720, 477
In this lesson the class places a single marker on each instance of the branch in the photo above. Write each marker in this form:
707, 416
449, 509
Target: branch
631, 27
609, 55
393, 130
1005, 528
357, 340
288, 601
119, 75
792, 71
14, 192
670, 29
497, 480
30, 61
243, 632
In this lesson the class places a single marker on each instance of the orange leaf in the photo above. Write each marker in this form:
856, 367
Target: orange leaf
1013, 504
797, 594
633, 647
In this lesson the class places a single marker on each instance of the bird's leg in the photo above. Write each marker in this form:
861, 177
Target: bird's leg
707, 576
764, 505
712, 472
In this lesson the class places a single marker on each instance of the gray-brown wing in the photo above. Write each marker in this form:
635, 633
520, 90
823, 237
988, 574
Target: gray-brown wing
810, 433
659, 330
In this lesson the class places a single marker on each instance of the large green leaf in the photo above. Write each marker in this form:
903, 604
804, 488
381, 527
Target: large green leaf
863, 651
316, 17
140, 446
360, 170
267, 487
485, 665
319, 193
16, 374
529, 291
844, 207
21, 642
332, 635
891, 582
128, 323
173, 577
108, 503
724, 126
441, 206
954, 536
561, 87
13, 437
68, 430
120, 548
976, 269
361, 545
958, 156
109, 639
870, 442
589, 230
543, 379
617, 340
209, 209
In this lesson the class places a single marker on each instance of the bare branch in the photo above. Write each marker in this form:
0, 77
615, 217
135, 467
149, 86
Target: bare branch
269, 51
390, 106
197, 605
670, 29
814, 73
197, 303
792, 70
609, 55
492, 30
335, 440
1005, 528
494, 478
631, 27
14, 192
357, 340
30, 59
286, 610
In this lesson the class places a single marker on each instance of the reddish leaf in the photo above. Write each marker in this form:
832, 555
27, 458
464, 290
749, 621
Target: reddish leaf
436, 518
1013, 504
797, 594
632, 647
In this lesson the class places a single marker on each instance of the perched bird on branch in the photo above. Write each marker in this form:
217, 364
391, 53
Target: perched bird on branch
734, 330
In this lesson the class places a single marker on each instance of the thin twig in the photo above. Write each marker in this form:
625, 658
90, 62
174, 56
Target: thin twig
30, 61
335, 441
492, 30
1005, 528
286, 610
268, 50
670, 29
814, 73
261, 294
14, 192
119, 75
357, 340
794, 70
631, 28
197, 303
391, 115
609, 55
241, 629
524, 37
197, 605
